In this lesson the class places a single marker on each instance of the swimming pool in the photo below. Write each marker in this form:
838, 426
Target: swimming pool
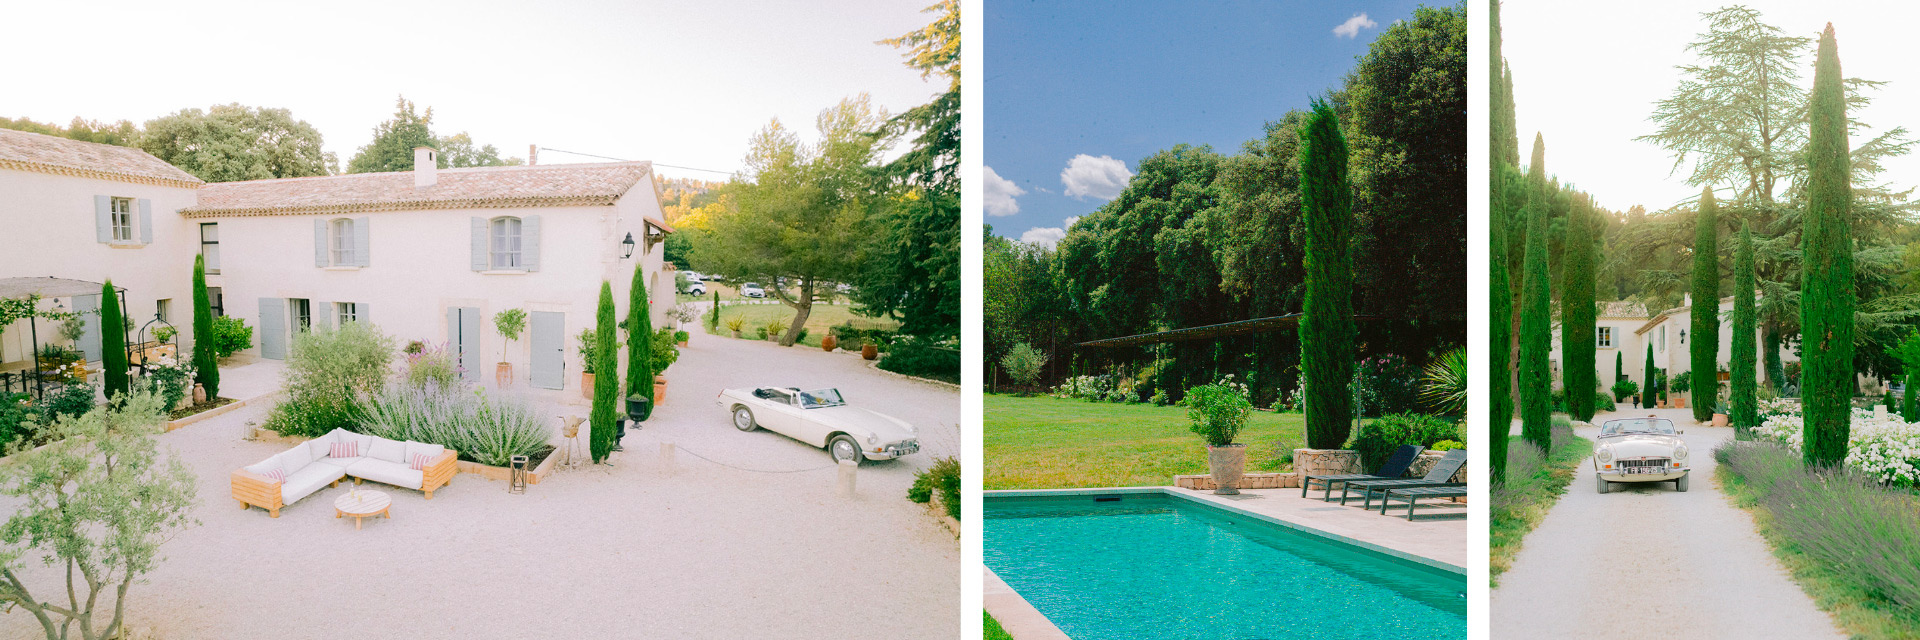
1149, 565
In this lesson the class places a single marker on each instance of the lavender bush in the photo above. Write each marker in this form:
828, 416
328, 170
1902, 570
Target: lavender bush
487, 429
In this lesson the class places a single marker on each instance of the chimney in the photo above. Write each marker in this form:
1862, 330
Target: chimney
426, 163
533, 154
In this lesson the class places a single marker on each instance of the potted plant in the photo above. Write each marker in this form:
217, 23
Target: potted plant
509, 323
828, 343
586, 339
869, 350
1217, 412
664, 355
639, 408
682, 337
734, 324
776, 329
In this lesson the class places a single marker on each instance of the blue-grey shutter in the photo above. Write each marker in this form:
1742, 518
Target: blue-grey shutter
479, 226
362, 249
322, 314
320, 243
103, 218
470, 336
146, 221
360, 313
273, 328
530, 243
88, 306
548, 359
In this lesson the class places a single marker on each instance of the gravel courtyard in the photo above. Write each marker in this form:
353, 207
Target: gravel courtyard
693, 549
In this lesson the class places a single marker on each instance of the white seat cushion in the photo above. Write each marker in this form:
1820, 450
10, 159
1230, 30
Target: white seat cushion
264, 466
431, 450
319, 447
309, 480
365, 441
295, 459
340, 462
382, 471
388, 450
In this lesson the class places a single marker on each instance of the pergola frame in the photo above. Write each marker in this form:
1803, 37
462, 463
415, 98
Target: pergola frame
56, 289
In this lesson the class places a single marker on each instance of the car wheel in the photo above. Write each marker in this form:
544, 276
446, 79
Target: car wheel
843, 448
743, 419
1681, 483
1603, 485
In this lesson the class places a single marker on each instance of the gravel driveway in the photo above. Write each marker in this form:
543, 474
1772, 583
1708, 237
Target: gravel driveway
1646, 561
698, 550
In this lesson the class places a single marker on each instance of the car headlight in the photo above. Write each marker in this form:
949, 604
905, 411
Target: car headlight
1605, 455
871, 439
1680, 452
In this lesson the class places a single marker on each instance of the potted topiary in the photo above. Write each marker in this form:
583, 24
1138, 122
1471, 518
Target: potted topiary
586, 340
1217, 412
682, 337
509, 323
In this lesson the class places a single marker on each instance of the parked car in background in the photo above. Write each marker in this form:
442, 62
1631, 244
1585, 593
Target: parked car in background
694, 276
821, 418
752, 290
697, 288
1639, 450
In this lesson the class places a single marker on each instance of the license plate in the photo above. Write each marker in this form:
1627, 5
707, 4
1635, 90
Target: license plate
1643, 470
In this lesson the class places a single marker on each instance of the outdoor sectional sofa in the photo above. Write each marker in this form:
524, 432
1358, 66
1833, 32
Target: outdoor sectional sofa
302, 470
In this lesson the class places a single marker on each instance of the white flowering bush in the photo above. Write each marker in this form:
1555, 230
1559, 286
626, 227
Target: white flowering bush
1888, 450
171, 378
1089, 388
1769, 407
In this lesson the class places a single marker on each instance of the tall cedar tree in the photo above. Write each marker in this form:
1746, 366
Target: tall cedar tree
1536, 334
1327, 331
1703, 346
1500, 327
206, 368
606, 385
1826, 290
1744, 400
639, 337
113, 343
1649, 390
1577, 311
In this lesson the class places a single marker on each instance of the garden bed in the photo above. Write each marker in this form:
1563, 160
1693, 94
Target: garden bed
539, 465
1533, 485
194, 413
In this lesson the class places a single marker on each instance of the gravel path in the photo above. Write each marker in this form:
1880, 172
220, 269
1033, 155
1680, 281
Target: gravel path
1646, 560
638, 549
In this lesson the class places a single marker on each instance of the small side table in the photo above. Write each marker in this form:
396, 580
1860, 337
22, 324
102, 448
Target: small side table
362, 503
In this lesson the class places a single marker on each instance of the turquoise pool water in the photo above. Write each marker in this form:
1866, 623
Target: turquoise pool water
1151, 566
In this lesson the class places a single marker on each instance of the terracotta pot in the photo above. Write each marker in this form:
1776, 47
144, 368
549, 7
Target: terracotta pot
199, 393
586, 385
1719, 419
1227, 464
1680, 402
684, 342
659, 390
828, 343
736, 334
503, 374
869, 352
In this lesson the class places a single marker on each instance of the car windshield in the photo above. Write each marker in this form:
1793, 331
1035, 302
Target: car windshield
750, 285
820, 398
1637, 425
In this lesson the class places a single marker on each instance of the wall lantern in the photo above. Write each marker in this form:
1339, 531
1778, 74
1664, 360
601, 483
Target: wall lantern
626, 247
1683, 336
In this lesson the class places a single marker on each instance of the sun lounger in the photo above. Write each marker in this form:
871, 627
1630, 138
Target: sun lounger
1442, 472
1395, 466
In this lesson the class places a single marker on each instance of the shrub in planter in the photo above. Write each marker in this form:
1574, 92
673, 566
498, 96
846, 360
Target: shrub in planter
666, 351
923, 359
488, 429
71, 401
1217, 412
170, 378
432, 365
1377, 439
1623, 389
231, 335
328, 372
942, 477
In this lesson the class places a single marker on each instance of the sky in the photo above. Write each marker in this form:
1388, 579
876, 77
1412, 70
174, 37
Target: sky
681, 83
1077, 94
1589, 91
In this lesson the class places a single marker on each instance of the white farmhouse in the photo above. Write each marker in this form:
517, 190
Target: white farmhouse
427, 255
1627, 329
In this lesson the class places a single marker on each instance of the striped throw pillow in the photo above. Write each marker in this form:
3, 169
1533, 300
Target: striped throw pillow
278, 474
419, 462
345, 450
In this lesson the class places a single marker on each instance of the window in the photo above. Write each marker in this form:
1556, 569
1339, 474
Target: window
505, 234
216, 302
163, 308
121, 216
342, 242
302, 313
210, 246
1663, 338
346, 312
1605, 335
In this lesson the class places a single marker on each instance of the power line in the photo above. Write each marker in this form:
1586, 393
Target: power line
625, 160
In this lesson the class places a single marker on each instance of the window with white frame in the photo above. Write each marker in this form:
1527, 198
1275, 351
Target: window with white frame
302, 311
342, 241
121, 216
346, 312
163, 309
1663, 339
1605, 337
210, 246
505, 235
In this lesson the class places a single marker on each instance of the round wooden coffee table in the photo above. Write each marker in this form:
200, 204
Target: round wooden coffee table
362, 503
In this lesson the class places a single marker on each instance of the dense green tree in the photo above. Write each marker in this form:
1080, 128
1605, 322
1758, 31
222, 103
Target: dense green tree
113, 343
1703, 345
1910, 358
639, 326
1649, 384
606, 385
1826, 290
458, 150
1578, 312
1743, 397
206, 364
230, 142
1536, 334
1499, 335
121, 133
1619, 366
1326, 331
394, 141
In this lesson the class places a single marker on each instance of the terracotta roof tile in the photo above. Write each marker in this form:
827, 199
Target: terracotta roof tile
556, 185
24, 151
1622, 309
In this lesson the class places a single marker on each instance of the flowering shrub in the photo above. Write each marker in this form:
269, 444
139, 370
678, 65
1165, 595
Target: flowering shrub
1293, 401
1089, 388
1218, 410
170, 378
1888, 450
1387, 384
1769, 407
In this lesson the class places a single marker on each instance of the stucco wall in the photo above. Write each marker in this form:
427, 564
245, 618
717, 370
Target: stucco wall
1674, 358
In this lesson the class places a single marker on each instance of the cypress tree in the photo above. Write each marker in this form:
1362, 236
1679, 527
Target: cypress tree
1577, 311
1619, 365
1648, 388
1326, 331
606, 385
1499, 333
1744, 401
113, 343
1826, 290
639, 337
1908, 410
1704, 346
1536, 332
206, 367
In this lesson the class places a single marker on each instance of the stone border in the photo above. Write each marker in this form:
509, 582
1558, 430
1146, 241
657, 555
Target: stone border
545, 468
1204, 482
1014, 613
217, 411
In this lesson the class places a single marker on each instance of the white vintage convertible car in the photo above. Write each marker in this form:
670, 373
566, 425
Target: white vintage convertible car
823, 419
1639, 450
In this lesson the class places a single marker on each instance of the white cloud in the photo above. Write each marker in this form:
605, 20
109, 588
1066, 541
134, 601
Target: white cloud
1001, 193
1044, 236
1101, 177
1351, 28
1072, 220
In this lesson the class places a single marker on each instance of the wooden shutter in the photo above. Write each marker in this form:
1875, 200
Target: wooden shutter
146, 221
530, 243
322, 314
273, 328
103, 218
320, 243
360, 313
479, 228
362, 250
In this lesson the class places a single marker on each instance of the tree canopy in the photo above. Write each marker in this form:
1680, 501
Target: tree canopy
395, 139
231, 142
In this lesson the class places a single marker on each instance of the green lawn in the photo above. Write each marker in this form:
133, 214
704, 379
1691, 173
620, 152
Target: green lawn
822, 317
993, 630
1050, 443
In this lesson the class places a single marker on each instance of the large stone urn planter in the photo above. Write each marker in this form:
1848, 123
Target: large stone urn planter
1322, 462
1227, 464
659, 390
586, 385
